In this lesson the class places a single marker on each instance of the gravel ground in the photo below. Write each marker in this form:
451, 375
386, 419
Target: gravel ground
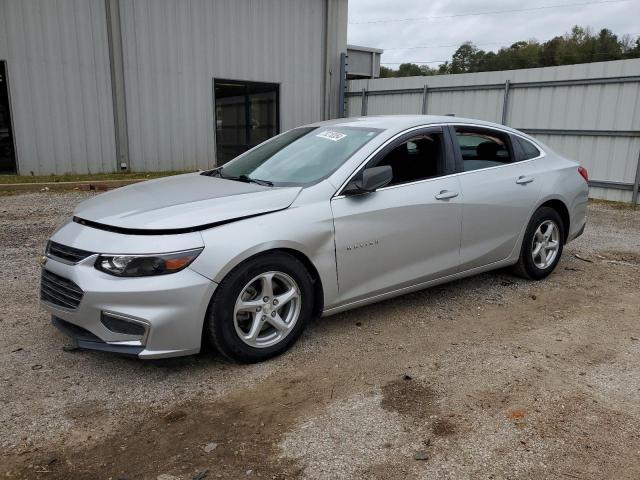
487, 377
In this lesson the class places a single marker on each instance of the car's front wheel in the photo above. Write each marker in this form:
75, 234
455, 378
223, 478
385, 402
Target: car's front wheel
542, 245
260, 308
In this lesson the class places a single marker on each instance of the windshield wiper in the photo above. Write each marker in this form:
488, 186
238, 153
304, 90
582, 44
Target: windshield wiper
248, 179
217, 172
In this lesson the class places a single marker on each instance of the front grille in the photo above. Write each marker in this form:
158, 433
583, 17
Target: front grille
59, 291
68, 254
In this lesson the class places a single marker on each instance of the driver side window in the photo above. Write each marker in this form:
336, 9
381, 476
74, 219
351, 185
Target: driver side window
418, 158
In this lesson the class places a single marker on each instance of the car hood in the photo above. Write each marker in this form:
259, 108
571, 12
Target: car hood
182, 202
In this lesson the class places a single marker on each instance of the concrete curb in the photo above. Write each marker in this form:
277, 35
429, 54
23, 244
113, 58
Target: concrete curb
97, 185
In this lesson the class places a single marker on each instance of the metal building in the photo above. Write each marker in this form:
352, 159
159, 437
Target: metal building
149, 85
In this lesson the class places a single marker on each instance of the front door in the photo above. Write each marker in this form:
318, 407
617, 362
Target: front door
7, 153
246, 114
407, 232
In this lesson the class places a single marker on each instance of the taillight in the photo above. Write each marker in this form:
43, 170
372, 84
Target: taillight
583, 171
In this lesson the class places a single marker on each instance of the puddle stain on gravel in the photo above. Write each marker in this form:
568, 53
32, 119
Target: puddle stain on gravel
409, 397
246, 426
443, 427
415, 400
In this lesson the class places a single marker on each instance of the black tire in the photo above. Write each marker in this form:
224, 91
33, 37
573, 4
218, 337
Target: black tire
219, 324
526, 267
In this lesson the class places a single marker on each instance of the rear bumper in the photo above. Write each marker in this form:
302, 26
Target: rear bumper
577, 233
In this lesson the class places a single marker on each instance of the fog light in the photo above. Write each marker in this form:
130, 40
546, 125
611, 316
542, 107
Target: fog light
120, 324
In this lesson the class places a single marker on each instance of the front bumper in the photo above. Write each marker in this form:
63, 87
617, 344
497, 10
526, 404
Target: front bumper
171, 308
85, 339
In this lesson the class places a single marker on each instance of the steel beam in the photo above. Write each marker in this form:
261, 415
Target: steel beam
583, 133
609, 184
425, 93
505, 102
636, 184
116, 67
363, 107
343, 85
400, 91
578, 81
500, 86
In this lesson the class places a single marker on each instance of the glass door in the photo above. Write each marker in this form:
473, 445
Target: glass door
7, 153
246, 114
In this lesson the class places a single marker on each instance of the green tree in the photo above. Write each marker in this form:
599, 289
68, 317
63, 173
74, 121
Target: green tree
549, 51
386, 72
409, 70
579, 45
466, 58
607, 46
633, 51
444, 68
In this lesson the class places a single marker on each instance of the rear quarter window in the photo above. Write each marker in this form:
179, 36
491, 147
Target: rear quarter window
529, 150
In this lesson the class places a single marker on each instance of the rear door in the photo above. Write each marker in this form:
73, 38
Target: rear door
407, 232
499, 190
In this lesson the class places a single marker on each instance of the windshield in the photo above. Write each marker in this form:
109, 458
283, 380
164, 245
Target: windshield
300, 156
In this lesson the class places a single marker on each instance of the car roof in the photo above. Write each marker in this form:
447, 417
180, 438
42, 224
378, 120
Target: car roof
403, 122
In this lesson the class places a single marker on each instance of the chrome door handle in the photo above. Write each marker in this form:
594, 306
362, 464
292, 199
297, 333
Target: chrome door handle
523, 180
446, 195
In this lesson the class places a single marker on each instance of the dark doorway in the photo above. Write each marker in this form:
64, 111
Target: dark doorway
7, 153
246, 114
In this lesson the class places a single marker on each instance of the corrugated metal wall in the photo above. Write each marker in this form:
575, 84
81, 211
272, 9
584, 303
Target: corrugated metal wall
58, 70
58, 63
173, 50
611, 106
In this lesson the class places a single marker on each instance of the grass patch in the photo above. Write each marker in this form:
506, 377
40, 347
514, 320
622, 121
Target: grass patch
612, 204
10, 179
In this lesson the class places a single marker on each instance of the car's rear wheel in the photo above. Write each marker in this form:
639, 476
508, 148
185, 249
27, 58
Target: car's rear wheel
260, 308
542, 245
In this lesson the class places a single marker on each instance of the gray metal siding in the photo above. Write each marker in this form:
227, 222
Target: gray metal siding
610, 106
174, 50
57, 57
58, 71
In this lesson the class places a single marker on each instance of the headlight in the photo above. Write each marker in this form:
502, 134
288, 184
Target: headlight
146, 265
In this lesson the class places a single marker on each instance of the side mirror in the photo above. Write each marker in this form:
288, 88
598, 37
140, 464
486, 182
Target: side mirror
370, 180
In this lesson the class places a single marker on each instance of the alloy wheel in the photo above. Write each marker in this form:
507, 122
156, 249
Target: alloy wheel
267, 309
545, 244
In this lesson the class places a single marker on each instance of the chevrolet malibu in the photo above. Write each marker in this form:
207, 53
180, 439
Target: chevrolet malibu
315, 221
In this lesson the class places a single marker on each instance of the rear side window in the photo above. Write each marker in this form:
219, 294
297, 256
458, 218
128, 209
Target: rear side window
529, 150
483, 148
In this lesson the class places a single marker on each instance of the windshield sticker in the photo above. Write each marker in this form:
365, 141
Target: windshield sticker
331, 135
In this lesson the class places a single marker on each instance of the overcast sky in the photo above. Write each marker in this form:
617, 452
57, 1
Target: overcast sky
369, 24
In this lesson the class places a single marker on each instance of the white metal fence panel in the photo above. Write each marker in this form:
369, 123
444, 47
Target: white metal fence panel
588, 112
484, 104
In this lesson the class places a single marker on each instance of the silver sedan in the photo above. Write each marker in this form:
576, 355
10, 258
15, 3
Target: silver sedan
317, 220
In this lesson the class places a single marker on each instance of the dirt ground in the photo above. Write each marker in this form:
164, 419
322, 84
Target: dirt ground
490, 377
